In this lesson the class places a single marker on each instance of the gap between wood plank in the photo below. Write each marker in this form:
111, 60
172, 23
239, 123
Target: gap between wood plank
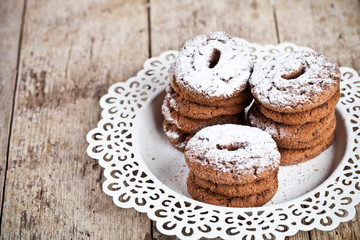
12, 110
148, 4
275, 20
151, 229
149, 25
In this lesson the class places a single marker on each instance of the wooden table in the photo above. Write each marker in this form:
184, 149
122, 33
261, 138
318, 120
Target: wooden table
57, 58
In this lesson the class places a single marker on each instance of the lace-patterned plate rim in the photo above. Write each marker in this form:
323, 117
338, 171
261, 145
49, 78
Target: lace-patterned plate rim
120, 108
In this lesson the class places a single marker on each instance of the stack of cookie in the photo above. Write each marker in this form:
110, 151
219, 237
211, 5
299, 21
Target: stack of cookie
295, 96
232, 165
208, 86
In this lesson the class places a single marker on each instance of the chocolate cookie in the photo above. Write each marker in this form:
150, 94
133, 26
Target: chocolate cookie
176, 137
232, 154
238, 99
316, 141
291, 136
198, 111
294, 156
237, 190
191, 125
294, 82
298, 118
213, 67
207, 196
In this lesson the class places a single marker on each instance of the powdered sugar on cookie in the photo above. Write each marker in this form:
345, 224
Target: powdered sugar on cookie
297, 80
234, 148
165, 110
215, 65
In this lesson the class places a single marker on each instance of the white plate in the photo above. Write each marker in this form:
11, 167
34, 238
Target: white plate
144, 171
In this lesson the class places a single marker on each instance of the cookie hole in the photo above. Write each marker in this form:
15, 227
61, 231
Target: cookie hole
214, 58
294, 74
233, 146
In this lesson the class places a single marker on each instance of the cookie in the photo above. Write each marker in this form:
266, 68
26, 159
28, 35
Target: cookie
316, 141
191, 125
238, 99
176, 137
194, 110
294, 82
205, 195
213, 67
232, 154
290, 136
237, 190
299, 118
295, 156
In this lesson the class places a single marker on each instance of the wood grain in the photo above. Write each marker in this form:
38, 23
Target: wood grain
330, 27
295, 22
72, 52
10, 28
301, 235
175, 22
333, 28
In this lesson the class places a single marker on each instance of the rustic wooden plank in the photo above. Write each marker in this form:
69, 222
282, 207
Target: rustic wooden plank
175, 22
333, 28
10, 28
72, 52
295, 23
301, 235
337, 30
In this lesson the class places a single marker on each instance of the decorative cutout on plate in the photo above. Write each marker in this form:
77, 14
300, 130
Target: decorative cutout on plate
131, 184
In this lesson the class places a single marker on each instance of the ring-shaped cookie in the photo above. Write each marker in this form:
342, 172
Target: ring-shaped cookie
293, 82
213, 67
232, 154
